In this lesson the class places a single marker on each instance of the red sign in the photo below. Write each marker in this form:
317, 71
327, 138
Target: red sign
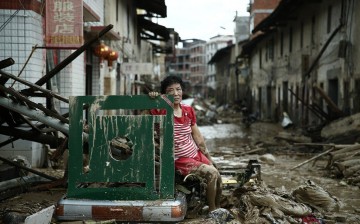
64, 23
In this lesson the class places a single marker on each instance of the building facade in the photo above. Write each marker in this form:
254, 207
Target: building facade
133, 39
307, 66
212, 46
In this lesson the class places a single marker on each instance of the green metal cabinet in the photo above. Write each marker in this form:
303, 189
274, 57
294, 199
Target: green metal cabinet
108, 178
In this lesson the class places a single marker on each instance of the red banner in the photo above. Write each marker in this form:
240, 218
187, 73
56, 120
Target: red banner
64, 23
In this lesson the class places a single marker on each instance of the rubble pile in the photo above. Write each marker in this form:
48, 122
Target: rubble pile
207, 113
255, 202
258, 203
345, 163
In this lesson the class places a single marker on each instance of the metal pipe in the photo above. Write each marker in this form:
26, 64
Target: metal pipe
32, 104
6, 63
17, 133
36, 87
36, 115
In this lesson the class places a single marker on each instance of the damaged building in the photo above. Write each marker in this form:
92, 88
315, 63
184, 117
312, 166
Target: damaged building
302, 61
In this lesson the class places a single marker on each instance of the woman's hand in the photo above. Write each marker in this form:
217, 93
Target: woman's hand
153, 94
212, 162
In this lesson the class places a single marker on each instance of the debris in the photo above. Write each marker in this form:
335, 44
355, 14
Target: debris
27, 169
259, 205
313, 158
42, 217
286, 122
267, 158
344, 130
293, 137
220, 216
316, 197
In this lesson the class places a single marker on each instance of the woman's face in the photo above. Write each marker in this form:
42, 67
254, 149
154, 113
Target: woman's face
176, 91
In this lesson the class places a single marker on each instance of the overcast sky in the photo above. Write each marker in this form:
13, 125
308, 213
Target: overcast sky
203, 19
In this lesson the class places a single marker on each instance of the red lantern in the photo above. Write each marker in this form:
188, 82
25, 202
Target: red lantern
102, 50
113, 55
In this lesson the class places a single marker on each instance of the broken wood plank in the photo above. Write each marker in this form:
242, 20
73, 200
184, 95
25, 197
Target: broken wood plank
293, 138
343, 153
251, 151
351, 171
336, 146
329, 102
345, 149
343, 165
313, 158
315, 112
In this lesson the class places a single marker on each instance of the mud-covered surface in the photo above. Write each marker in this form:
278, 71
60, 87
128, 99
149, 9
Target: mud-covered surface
222, 140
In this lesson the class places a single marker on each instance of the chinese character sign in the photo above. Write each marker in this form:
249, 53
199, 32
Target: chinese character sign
137, 68
64, 23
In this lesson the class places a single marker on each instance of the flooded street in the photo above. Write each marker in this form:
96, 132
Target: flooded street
232, 146
278, 174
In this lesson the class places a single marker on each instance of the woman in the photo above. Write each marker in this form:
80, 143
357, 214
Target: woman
191, 154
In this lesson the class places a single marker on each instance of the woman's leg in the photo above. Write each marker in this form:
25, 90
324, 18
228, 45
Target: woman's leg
214, 185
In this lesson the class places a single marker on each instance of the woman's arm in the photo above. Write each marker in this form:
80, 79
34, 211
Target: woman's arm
200, 141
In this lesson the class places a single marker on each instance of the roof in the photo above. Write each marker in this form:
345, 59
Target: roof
157, 7
281, 14
220, 54
158, 32
249, 46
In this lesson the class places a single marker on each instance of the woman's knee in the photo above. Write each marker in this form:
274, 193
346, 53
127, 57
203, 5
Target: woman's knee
210, 172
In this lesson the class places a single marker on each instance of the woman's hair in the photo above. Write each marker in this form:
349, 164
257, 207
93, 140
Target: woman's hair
169, 80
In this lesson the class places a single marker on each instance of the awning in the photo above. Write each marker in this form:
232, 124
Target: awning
249, 46
89, 14
153, 7
111, 35
152, 31
166, 49
281, 15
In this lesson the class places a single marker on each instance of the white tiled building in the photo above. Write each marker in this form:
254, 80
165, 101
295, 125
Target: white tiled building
22, 35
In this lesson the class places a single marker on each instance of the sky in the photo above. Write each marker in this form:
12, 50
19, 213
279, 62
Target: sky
203, 19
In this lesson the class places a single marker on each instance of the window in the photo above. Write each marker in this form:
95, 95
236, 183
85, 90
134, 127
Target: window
329, 19
290, 39
267, 51
301, 35
281, 44
313, 30
270, 50
260, 59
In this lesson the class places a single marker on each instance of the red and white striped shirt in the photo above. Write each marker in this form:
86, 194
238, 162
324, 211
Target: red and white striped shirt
184, 143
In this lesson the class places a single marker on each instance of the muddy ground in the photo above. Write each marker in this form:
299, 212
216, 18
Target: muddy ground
232, 136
